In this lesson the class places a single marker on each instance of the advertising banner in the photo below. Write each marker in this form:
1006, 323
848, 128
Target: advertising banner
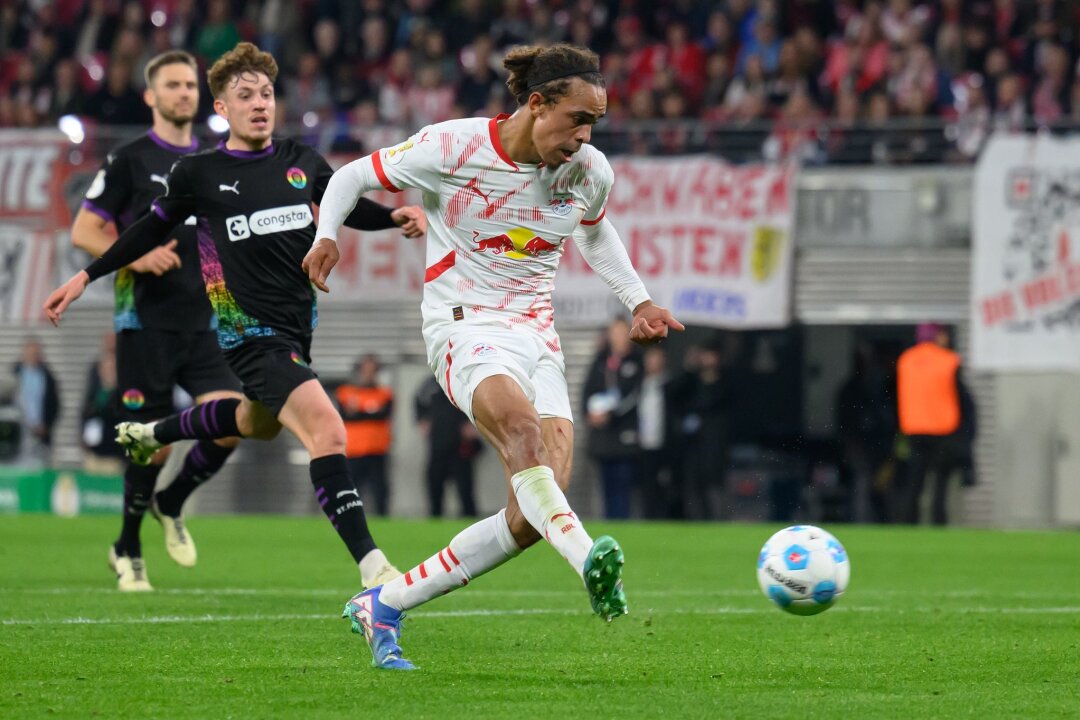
1026, 255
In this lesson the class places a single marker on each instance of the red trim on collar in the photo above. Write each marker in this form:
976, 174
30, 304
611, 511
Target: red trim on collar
493, 129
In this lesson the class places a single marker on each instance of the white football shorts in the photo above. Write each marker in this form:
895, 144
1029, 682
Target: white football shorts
463, 355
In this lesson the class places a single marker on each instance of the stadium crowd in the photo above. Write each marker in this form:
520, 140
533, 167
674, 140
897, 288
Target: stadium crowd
843, 80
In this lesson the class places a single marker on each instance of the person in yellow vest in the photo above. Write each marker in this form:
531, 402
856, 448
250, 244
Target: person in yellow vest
367, 407
937, 414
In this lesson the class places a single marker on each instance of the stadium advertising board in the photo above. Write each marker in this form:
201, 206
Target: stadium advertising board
1026, 255
33, 167
711, 241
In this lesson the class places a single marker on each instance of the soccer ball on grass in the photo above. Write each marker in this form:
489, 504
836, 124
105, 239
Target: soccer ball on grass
803, 569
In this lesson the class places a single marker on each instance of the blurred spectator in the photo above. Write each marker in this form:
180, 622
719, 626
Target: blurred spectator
38, 399
611, 392
937, 414
717, 81
367, 407
860, 60
512, 26
902, 23
307, 98
846, 142
96, 27
718, 36
866, 427
764, 45
789, 79
429, 100
660, 495
468, 19
795, 134
453, 445
973, 122
705, 397
374, 48
394, 88
274, 21
478, 85
1050, 99
117, 102
1010, 110
219, 34
751, 82
433, 52
686, 60
183, 24
101, 412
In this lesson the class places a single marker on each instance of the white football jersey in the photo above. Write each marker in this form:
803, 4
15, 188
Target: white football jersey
496, 228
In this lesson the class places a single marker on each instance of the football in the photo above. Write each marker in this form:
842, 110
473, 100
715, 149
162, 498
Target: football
803, 569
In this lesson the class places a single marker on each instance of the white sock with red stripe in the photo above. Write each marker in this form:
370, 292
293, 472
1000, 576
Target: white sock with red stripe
474, 551
545, 507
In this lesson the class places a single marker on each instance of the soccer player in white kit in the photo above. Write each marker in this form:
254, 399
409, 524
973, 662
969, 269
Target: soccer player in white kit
503, 196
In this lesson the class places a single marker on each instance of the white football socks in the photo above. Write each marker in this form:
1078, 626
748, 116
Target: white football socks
543, 504
474, 551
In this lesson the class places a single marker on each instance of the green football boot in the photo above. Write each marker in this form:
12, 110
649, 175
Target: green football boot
603, 578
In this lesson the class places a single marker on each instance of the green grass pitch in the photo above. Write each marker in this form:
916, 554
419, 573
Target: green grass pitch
935, 624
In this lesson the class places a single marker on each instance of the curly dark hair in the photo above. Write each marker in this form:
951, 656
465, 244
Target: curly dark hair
244, 58
549, 70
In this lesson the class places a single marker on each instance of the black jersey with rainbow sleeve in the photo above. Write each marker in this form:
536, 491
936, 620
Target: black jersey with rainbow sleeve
131, 177
254, 224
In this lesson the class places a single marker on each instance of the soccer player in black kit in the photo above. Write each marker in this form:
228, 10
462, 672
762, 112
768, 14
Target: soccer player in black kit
252, 200
163, 321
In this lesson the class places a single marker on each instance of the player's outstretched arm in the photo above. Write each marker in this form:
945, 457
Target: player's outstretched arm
601, 247
342, 195
341, 204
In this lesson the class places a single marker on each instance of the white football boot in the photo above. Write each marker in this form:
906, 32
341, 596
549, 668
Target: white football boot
178, 541
130, 572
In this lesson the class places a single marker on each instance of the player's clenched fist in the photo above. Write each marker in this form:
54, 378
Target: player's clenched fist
411, 220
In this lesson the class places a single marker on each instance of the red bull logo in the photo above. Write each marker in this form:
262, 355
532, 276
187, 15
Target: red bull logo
517, 243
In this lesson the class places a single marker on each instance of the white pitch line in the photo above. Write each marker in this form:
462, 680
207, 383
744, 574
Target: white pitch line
524, 612
569, 592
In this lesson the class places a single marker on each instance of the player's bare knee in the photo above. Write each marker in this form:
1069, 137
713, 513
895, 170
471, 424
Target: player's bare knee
327, 436
229, 442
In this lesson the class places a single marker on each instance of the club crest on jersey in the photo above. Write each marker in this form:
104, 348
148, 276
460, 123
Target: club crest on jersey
561, 204
484, 350
296, 177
